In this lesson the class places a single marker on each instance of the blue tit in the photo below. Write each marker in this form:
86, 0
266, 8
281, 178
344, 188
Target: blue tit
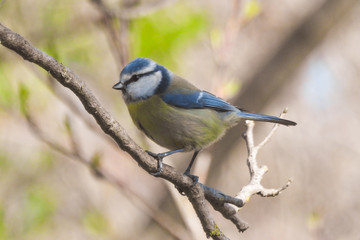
174, 113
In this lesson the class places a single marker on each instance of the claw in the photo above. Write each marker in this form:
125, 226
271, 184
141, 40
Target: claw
159, 158
182, 193
195, 181
193, 177
154, 155
160, 167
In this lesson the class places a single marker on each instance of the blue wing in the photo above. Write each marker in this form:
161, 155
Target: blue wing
202, 99
197, 99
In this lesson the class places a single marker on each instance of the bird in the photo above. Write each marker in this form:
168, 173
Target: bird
176, 114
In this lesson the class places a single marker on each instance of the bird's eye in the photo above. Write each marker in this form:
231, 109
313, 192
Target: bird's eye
134, 78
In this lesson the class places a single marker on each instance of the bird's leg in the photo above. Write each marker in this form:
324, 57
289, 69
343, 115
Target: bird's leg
187, 171
159, 157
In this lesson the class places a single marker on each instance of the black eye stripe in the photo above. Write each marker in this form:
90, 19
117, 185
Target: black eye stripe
136, 77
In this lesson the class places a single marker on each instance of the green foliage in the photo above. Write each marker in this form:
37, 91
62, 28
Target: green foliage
96, 223
315, 220
76, 49
95, 163
56, 15
67, 125
52, 49
4, 162
45, 161
215, 232
252, 8
3, 228
6, 92
64, 43
95, 160
39, 207
165, 33
23, 98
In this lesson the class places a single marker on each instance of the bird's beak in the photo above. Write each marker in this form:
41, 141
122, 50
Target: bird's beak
118, 86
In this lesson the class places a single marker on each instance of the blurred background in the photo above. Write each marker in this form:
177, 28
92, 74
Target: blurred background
62, 178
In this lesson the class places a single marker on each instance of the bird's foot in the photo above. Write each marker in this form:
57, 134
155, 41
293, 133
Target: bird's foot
193, 177
159, 159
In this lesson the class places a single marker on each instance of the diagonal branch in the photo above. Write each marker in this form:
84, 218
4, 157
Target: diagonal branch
196, 193
110, 126
158, 216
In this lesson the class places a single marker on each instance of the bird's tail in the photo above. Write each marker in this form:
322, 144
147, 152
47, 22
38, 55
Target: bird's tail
265, 118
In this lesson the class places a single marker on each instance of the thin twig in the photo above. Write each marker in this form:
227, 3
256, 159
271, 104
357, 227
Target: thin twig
257, 173
142, 10
274, 192
51, 143
271, 133
73, 141
113, 34
55, 88
228, 206
118, 33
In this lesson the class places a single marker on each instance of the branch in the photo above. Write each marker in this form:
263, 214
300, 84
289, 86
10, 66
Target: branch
58, 91
221, 203
68, 79
158, 216
228, 206
54, 145
114, 35
110, 126
196, 193
257, 173
129, 13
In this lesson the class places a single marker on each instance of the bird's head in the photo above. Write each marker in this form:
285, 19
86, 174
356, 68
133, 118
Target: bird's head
141, 79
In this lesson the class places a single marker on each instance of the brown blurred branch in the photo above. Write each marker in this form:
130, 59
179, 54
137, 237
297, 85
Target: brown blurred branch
277, 73
54, 145
114, 36
116, 23
143, 9
59, 92
134, 11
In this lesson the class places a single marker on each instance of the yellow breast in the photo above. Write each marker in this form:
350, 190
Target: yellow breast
176, 128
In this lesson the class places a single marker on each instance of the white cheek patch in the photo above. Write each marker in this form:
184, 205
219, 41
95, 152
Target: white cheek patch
144, 87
